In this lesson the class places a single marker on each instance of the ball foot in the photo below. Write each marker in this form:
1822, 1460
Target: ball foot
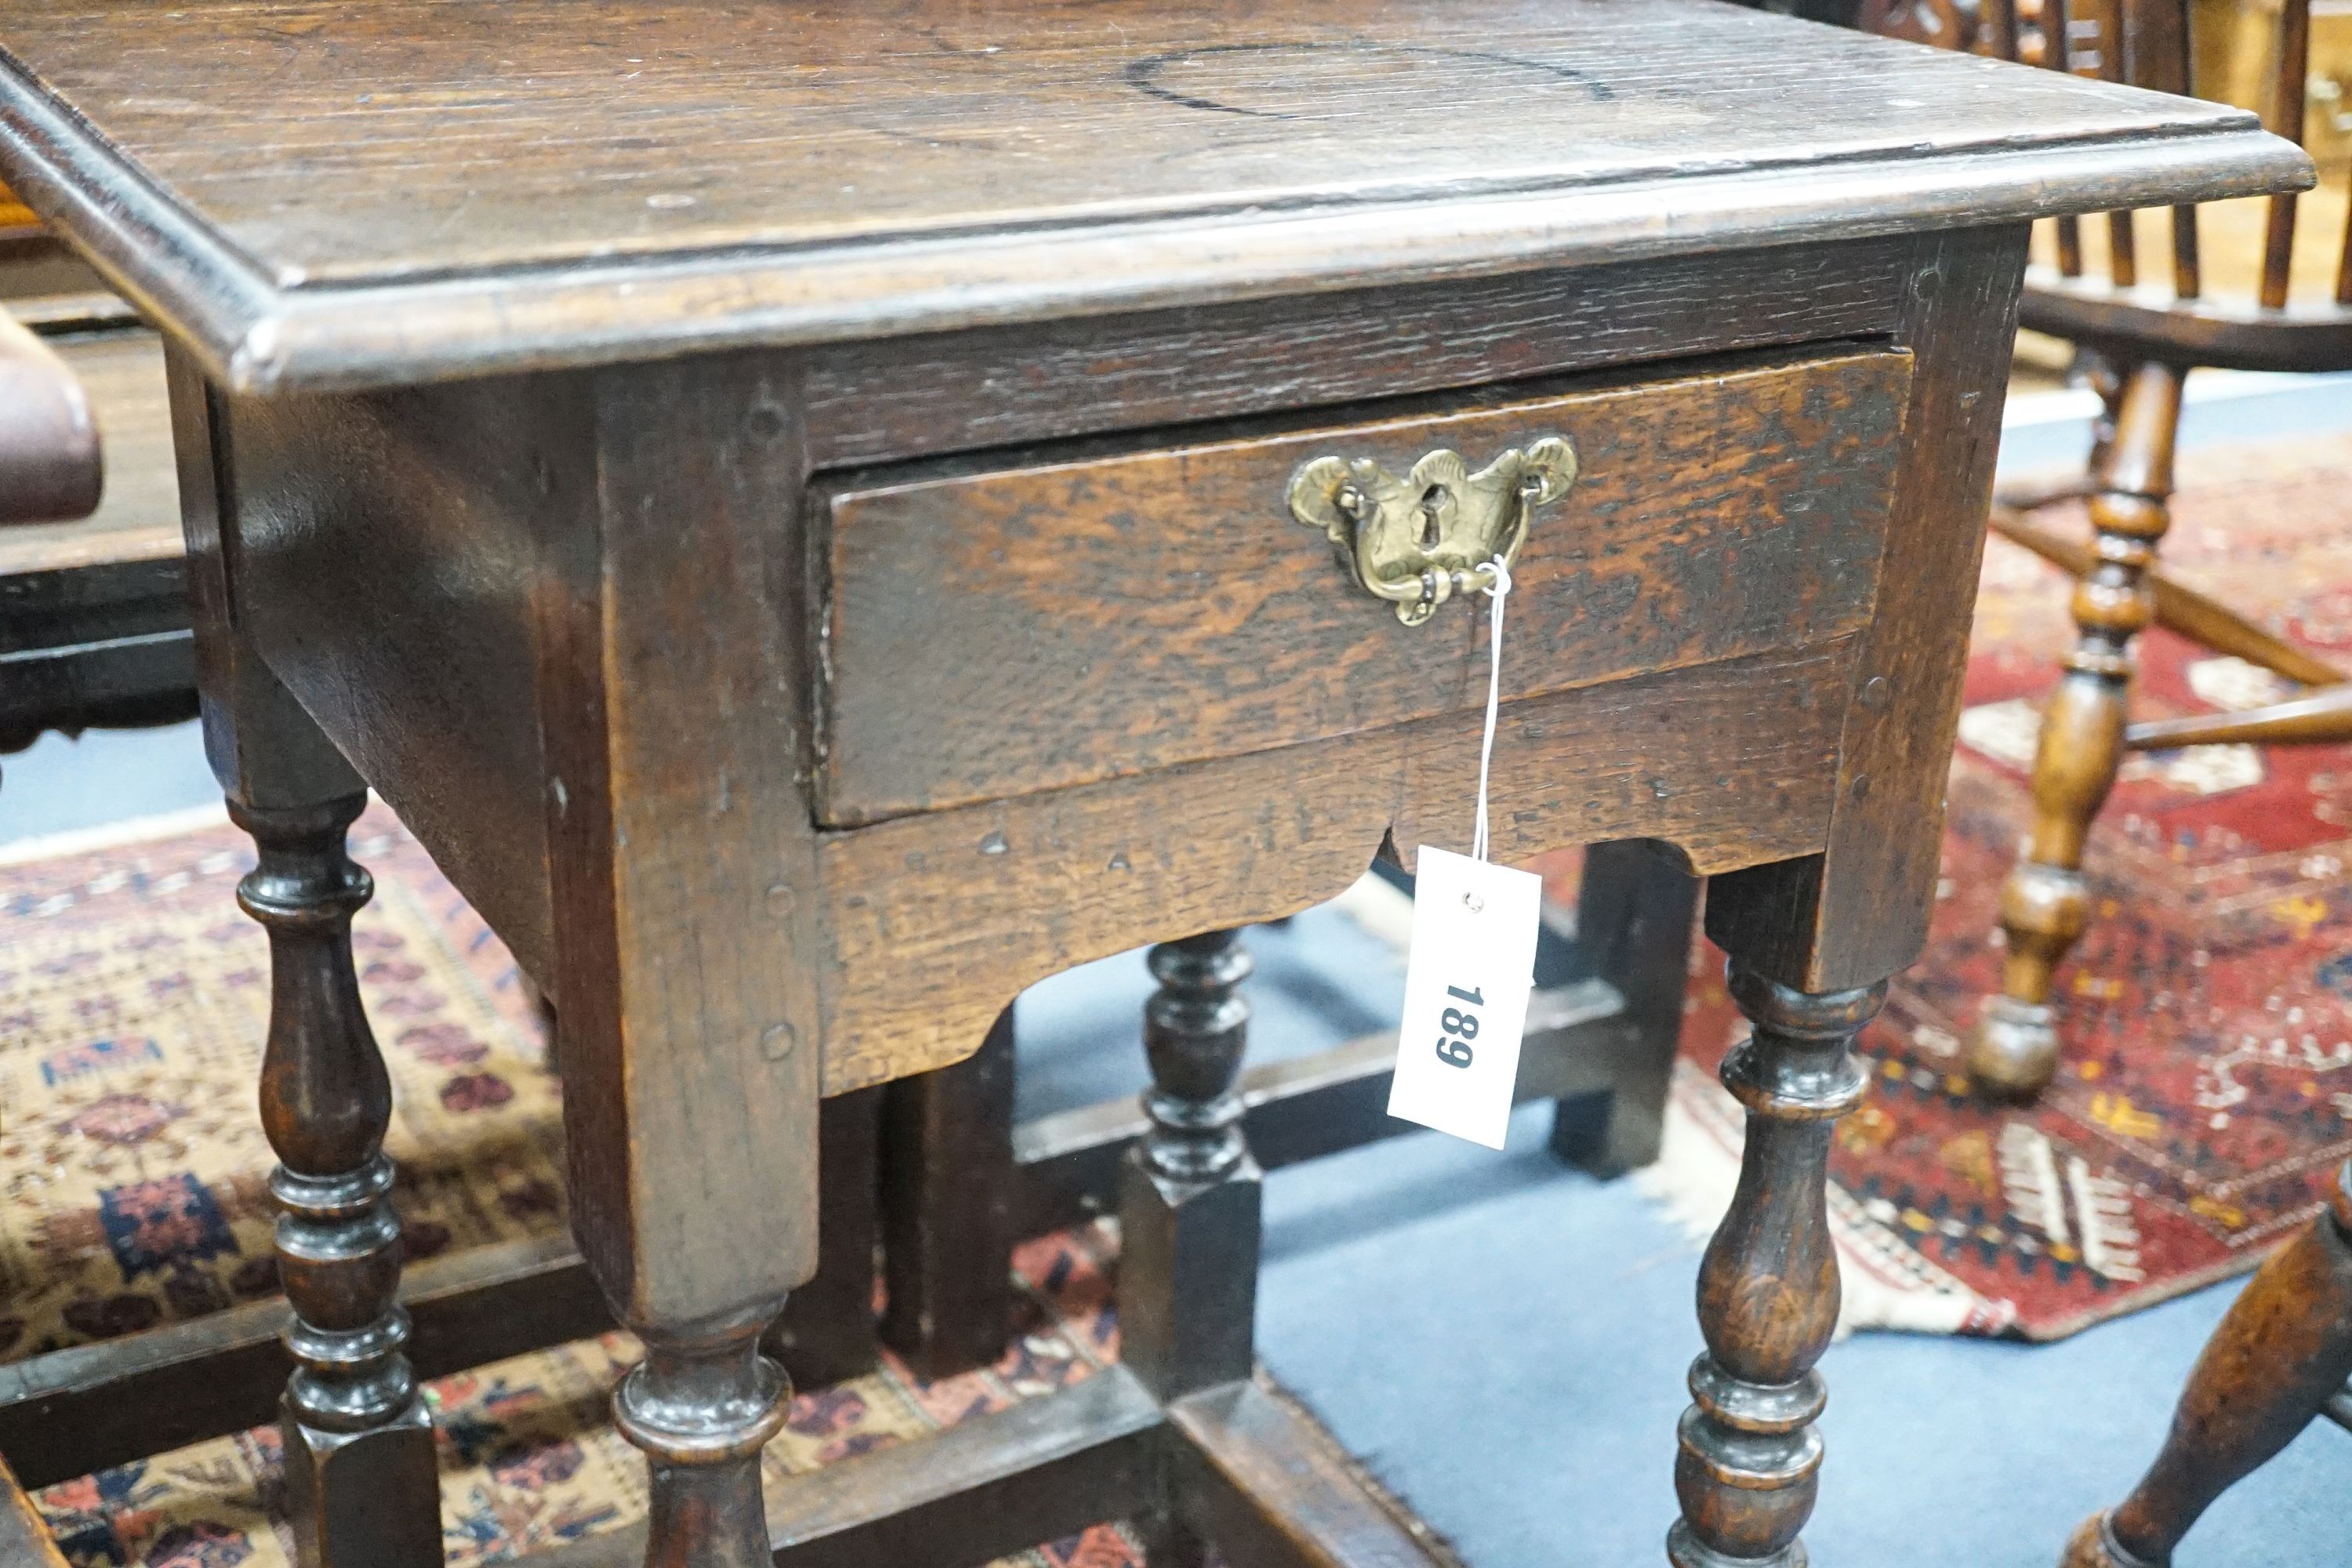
2094, 1546
2014, 1053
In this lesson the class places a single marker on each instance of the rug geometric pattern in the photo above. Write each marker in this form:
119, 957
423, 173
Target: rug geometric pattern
2205, 1093
134, 996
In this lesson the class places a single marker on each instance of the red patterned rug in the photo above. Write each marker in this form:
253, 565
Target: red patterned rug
2206, 1090
133, 1001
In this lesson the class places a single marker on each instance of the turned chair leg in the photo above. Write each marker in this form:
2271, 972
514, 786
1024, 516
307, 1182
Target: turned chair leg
2279, 1356
361, 1480
1768, 1287
2044, 904
1189, 1197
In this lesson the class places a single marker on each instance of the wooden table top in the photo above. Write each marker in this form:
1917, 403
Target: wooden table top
346, 195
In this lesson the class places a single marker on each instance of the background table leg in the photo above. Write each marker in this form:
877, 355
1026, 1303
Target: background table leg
1637, 906
948, 1181
1188, 1193
1189, 1198
828, 1331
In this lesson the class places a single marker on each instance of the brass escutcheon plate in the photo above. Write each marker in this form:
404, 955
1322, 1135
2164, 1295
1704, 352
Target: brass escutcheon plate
1419, 541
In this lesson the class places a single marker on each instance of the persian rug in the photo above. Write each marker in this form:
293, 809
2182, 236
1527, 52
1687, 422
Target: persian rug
134, 996
2204, 1098
2205, 1094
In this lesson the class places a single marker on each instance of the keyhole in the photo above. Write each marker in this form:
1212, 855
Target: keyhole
1434, 501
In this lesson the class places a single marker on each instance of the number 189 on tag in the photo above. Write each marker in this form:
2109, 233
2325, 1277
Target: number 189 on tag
1466, 980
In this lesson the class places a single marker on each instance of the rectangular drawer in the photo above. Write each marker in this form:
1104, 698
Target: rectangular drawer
997, 627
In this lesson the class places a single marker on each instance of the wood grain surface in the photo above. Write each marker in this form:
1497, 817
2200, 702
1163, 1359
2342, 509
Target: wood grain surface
936, 921
388, 545
668, 664
1118, 613
442, 188
1860, 914
947, 392
1270, 1487
261, 745
394, 545
394, 537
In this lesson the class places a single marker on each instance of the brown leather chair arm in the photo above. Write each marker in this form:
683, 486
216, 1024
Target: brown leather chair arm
50, 471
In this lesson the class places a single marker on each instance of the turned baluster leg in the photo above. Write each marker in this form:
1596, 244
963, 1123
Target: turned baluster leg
1768, 1287
361, 1481
360, 1473
700, 1406
1189, 1197
2283, 1349
1814, 938
2044, 904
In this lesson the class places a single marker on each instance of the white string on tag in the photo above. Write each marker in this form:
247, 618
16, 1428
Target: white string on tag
1471, 964
1495, 592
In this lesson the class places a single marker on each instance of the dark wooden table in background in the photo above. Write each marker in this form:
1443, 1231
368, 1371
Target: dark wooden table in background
791, 505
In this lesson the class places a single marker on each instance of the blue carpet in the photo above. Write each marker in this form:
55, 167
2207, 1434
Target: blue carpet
1504, 1341
61, 785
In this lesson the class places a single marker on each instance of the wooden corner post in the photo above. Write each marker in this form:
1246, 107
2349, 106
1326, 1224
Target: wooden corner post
1813, 941
665, 624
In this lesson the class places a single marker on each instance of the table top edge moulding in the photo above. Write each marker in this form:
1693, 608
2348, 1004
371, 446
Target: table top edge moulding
264, 305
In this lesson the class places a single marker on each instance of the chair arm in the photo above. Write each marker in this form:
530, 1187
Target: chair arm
50, 470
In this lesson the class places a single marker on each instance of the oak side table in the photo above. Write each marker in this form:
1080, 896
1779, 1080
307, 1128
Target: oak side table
821, 516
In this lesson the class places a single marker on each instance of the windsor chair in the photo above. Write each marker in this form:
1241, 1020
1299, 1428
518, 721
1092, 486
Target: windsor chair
2280, 1360
2145, 297
2282, 1356
802, 599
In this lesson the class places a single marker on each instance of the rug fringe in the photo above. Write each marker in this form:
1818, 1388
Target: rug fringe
1888, 1283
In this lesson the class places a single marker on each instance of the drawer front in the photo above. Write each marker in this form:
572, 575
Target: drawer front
993, 630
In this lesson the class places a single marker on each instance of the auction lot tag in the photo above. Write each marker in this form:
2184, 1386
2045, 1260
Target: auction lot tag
1466, 980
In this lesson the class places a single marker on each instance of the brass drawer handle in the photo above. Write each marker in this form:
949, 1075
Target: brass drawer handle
1419, 541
